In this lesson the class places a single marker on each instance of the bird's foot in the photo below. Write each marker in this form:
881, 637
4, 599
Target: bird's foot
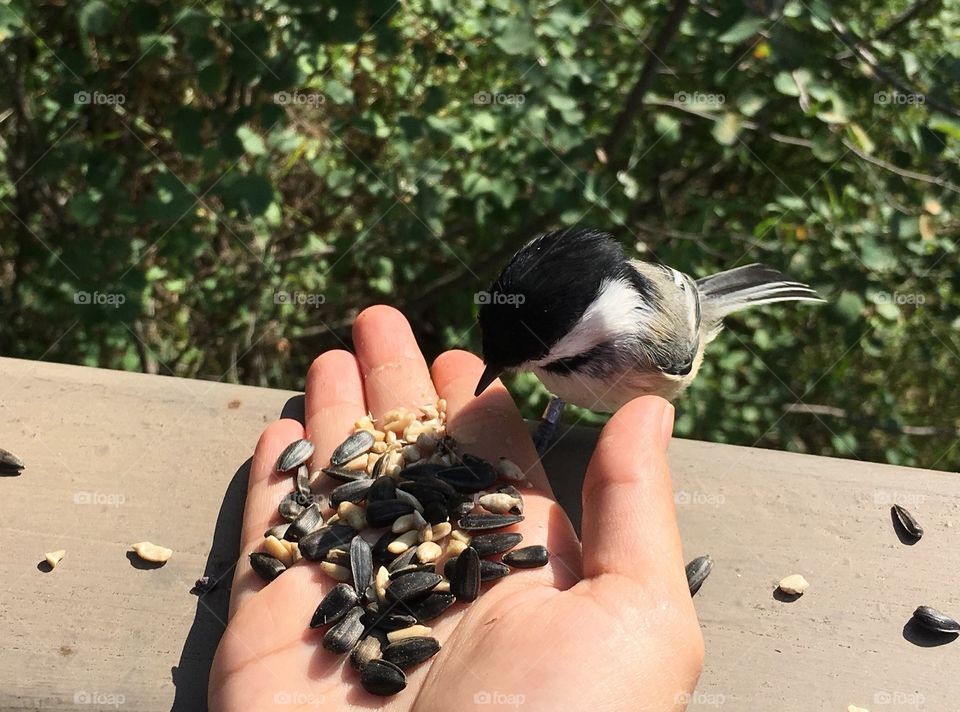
546, 432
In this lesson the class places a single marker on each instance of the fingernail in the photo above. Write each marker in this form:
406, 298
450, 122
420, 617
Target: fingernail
666, 424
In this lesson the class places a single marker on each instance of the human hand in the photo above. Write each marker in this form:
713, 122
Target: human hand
609, 626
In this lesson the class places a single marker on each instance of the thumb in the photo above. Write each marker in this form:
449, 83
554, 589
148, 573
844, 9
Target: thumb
629, 525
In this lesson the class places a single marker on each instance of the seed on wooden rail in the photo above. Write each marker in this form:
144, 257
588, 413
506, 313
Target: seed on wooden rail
697, 572
528, 557
10, 464
318, 543
308, 520
345, 634
54, 557
411, 586
793, 585
267, 567
909, 523
379, 677
487, 544
361, 563
334, 606
934, 620
294, 455
479, 522
465, 577
357, 444
153, 553
407, 652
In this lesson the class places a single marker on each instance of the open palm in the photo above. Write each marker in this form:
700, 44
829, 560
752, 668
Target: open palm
609, 626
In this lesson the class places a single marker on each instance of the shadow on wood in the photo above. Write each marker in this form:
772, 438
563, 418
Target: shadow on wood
191, 675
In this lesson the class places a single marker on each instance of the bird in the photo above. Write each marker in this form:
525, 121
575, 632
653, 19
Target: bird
600, 329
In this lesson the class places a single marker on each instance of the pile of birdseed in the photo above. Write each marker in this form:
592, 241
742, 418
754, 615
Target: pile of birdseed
407, 500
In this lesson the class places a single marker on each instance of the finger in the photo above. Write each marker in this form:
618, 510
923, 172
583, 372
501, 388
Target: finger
265, 489
334, 402
629, 523
489, 425
394, 372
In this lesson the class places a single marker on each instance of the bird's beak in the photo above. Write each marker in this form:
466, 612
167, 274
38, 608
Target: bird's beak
490, 374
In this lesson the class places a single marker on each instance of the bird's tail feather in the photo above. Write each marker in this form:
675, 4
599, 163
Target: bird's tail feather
747, 286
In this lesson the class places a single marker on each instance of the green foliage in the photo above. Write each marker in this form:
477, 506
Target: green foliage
205, 171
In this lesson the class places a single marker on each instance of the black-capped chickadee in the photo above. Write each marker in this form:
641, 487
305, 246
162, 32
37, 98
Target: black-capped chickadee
600, 329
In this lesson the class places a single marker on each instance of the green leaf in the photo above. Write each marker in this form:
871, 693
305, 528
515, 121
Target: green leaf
726, 130
95, 18
743, 29
849, 305
250, 193
517, 37
84, 210
252, 143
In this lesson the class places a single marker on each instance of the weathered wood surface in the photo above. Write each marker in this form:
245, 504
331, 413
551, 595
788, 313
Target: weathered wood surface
114, 458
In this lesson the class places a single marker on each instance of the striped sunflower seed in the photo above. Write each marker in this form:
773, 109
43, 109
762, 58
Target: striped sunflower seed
909, 523
357, 444
934, 620
361, 563
354, 492
294, 455
10, 464
302, 481
308, 520
343, 474
697, 572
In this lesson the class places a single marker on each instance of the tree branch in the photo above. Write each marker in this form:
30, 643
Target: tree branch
635, 97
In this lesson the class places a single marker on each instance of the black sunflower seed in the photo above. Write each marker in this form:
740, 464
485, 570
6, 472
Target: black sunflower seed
529, 557
909, 523
302, 481
266, 566
277, 530
378, 466
10, 464
460, 506
388, 620
381, 555
497, 543
479, 522
355, 492
402, 561
934, 620
411, 586
431, 606
361, 563
294, 455
385, 512
469, 478
423, 492
354, 446
308, 520
379, 677
334, 606
421, 470
345, 634
317, 544
435, 512
492, 570
383, 488
342, 474
697, 572
412, 651
465, 581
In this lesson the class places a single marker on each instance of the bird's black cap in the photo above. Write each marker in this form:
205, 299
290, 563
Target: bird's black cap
541, 294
